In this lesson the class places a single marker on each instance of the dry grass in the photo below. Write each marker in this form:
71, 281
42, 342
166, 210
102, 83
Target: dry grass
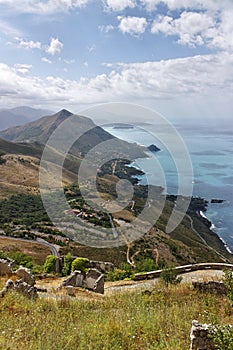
38, 251
130, 321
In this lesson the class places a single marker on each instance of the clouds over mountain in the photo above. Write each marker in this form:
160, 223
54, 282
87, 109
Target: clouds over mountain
167, 79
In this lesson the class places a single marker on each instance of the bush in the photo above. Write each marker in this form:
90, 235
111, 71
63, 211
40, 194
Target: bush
50, 264
118, 275
222, 337
228, 281
146, 265
79, 264
169, 276
68, 259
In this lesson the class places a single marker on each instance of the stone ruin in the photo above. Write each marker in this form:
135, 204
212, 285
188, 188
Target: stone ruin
24, 285
25, 275
102, 266
5, 267
199, 335
210, 287
20, 286
92, 280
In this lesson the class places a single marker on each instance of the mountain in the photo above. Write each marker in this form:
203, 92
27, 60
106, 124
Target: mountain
40, 130
21, 148
19, 116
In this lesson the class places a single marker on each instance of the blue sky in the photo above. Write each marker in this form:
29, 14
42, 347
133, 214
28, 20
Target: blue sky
175, 56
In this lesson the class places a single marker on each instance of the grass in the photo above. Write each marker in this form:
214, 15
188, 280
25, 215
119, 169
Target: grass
37, 251
129, 321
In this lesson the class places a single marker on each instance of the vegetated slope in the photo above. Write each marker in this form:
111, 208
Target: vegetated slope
33, 150
19, 116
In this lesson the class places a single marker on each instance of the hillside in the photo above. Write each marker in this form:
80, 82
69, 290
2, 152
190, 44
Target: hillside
40, 130
19, 170
10, 117
19, 174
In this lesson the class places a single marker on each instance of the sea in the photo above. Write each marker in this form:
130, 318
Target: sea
210, 151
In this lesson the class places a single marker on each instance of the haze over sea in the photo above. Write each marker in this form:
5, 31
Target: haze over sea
210, 149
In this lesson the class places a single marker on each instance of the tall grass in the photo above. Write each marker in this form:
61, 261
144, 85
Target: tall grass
129, 321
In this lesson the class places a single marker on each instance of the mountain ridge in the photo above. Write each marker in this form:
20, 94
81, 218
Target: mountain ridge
10, 117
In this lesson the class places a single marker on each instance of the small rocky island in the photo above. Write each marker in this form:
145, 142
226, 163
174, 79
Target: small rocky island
153, 148
214, 200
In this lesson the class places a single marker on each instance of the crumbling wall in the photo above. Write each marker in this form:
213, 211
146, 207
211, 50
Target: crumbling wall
199, 335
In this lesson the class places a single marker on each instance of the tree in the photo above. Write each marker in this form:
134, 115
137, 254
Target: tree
50, 264
68, 259
79, 264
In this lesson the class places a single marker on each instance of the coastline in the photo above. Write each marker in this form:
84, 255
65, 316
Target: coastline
213, 229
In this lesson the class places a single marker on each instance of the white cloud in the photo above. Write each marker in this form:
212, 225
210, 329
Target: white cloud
9, 30
205, 76
46, 60
22, 68
151, 5
132, 25
29, 44
91, 48
193, 28
106, 29
54, 47
42, 7
72, 61
118, 5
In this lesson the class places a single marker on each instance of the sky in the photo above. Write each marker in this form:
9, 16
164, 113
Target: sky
174, 56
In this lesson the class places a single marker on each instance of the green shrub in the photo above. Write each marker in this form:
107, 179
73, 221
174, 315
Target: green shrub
169, 276
50, 264
146, 265
228, 281
222, 337
68, 259
118, 275
79, 264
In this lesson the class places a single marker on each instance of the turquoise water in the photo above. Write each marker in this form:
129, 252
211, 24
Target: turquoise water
210, 150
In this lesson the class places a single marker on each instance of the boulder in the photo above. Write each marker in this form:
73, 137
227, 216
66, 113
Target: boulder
70, 291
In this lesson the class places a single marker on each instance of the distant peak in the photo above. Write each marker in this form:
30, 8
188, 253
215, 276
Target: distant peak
64, 113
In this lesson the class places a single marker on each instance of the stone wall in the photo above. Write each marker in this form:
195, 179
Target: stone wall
5, 267
210, 287
92, 280
200, 337
21, 287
